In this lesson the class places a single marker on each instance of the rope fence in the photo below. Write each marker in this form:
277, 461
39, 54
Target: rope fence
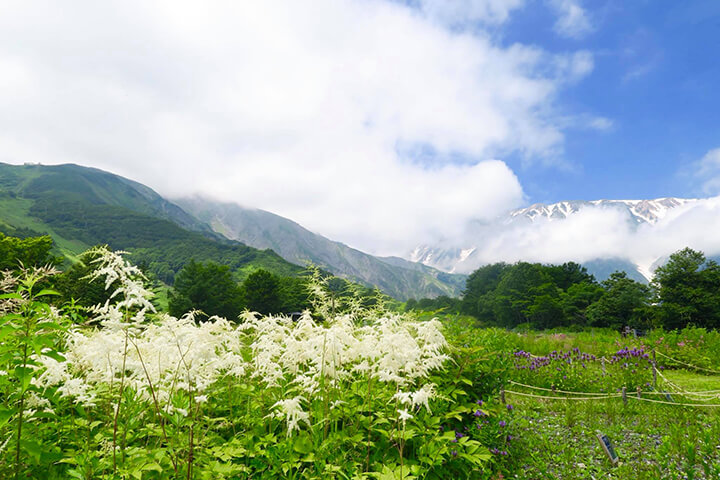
642, 399
687, 364
587, 396
704, 395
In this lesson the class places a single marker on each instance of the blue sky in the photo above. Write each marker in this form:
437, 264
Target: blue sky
656, 76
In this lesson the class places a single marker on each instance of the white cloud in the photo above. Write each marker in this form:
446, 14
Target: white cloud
708, 172
601, 123
294, 107
573, 20
597, 233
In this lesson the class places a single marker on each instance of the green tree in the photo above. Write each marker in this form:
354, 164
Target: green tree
208, 287
568, 274
30, 251
624, 302
577, 298
293, 295
478, 286
411, 304
517, 290
261, 291
688, 291
546, 311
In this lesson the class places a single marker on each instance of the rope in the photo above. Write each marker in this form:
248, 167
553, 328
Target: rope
561, 398
544, 397
681, 391
677, 404
556, 390
687, 364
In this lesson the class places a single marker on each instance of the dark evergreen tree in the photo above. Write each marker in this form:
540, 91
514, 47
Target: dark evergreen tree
208, 287
261, 292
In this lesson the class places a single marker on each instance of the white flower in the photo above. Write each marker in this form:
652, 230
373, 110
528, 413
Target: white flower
423, 396
293, 412
404, 416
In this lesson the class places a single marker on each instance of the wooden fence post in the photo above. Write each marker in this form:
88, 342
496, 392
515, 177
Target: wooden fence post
654, 370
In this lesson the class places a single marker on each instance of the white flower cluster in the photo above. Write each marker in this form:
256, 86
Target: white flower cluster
165, 355
305, 354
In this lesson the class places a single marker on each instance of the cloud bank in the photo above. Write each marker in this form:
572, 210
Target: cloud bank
596, 233
306, 109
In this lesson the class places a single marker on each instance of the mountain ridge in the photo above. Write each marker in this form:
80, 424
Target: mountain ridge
394, 275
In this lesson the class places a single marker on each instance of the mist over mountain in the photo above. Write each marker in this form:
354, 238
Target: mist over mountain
605, 235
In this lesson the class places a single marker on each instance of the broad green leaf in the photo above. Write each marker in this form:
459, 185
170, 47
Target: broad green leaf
303, 444
47, 291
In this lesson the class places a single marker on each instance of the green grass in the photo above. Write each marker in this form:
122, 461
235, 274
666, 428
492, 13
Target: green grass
557, 440
692, 382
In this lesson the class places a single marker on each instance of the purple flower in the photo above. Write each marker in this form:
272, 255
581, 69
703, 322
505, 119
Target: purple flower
453, 453
479, 402
510, 407
479, 413
502, 423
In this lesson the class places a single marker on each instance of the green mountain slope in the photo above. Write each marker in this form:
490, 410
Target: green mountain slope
397, 277
80, 207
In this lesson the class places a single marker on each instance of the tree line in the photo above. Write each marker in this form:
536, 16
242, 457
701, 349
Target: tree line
684, 291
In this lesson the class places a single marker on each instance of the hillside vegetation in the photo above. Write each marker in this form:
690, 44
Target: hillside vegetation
80, 207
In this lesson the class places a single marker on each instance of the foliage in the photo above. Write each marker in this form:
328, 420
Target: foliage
160, 244
545, 296
207, 287
29, 334
623, 302
75, 283
30, 252
688, 291
261, 293
364, 394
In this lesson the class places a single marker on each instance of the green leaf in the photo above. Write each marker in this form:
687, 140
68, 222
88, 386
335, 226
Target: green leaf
10, 295
303, 444
24, 374
5, 416
5, 331
47, 291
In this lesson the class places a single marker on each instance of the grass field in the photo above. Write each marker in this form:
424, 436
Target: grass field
557, 438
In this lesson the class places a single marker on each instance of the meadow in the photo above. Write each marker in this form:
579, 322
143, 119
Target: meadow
122, 391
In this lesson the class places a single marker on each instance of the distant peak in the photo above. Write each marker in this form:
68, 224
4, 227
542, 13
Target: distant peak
643, 211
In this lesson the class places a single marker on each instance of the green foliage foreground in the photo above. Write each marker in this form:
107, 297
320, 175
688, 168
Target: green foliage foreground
127, 393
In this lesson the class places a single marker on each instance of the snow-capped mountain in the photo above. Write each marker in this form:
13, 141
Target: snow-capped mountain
523, 234
642, 211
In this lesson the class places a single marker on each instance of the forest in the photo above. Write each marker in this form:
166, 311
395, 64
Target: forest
684, 291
